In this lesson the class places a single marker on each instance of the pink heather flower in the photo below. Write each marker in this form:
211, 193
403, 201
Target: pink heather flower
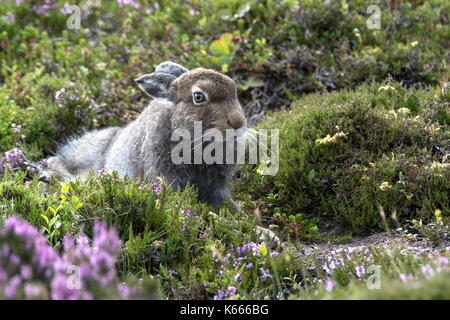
32, 290
406, 277
265, 274
37, 260
11, 17
149, 11
427, 270
130, 2
360, 271
220, 295
11, 287
66, 9
156, 5
442, 260
329, 285
59, 93
334, 264
26, 271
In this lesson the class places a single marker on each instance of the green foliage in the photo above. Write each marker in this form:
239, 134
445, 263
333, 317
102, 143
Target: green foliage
296, 46
345, 155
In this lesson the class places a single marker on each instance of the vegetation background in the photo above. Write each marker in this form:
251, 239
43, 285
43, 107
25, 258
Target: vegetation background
363, 115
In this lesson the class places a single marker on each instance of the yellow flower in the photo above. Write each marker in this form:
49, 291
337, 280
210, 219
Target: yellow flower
403, 111
385, 186
63, 198
438, 215
262, 249
224, 67
331, 139
64, 189
415, 43
387, 88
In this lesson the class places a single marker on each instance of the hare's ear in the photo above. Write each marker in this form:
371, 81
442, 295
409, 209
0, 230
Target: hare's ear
156, 85
172, 68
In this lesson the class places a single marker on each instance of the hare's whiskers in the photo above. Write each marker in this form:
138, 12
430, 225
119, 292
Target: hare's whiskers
257, 132
259, 141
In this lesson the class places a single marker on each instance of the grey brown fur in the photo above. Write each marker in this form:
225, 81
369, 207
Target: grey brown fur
144, 146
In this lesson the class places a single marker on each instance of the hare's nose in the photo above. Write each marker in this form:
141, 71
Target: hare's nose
236, 119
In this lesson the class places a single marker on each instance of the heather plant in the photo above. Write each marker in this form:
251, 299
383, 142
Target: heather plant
31, 269
363, 121
346, 155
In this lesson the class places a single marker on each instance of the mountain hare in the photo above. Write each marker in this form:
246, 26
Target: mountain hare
144, 146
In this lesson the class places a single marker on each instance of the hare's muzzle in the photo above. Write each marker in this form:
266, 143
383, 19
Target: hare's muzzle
236, 120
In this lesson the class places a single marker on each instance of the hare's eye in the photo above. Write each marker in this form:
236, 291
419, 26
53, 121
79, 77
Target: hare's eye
198, 98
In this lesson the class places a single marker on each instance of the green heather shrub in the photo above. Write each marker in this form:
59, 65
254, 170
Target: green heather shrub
344, 156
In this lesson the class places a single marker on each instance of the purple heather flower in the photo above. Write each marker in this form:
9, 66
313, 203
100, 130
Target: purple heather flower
32, 290
329, 285
95, 264
157, 190
231, 291
130, 2
14, 259
220, 295
14, 157
360, 271
26, 271
10, 17
334, 264
265, 274
238, 277
12, 286
274, 254
406, 277
427, 270
59, 93
66, 9
442, 260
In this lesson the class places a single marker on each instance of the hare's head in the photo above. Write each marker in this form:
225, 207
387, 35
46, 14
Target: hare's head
198, 95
